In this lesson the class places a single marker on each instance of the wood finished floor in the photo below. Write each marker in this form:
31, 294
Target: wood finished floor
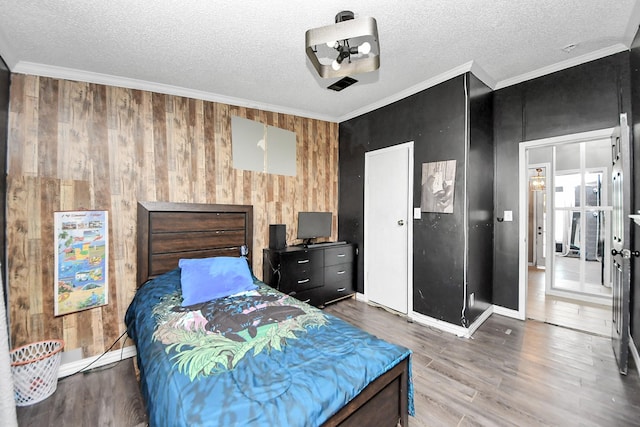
107, 396
567, 276
579, 315
511, 373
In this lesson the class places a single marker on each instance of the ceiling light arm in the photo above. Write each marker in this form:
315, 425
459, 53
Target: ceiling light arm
344, 51
342, 54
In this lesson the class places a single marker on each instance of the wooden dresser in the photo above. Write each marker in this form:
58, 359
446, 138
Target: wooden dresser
316, 274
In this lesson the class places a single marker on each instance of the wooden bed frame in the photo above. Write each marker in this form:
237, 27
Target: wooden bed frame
170, 231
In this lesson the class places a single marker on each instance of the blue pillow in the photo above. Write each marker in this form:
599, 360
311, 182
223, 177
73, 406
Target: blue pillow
204, 279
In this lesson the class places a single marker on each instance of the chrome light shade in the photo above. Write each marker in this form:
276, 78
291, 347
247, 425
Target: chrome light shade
348, 47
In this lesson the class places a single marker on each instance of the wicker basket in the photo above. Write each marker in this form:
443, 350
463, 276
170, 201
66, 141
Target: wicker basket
35, 371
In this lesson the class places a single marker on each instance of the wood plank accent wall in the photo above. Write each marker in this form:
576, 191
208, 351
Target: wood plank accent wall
75, 145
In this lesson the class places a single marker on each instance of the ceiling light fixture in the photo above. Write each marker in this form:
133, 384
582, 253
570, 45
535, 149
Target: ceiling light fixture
537, 182
348, 47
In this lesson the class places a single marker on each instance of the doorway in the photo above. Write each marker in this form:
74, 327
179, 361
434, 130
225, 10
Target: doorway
571, 287
388, 228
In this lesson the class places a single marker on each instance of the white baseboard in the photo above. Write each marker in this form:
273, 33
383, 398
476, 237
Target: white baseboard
110, 357
450, 327
361, 297
480, 320
507, 312
438, 324
593, 299
634, 353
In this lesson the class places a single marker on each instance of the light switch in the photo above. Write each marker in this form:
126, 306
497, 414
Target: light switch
416, 213
508, 215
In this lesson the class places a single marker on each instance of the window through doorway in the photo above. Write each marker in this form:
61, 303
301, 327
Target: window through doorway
569, 232
581, 218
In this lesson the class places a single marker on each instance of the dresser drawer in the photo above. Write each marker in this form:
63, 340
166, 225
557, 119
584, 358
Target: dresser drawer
301, 260
314, 297
300, 280
332, 292
316, 275
300, 271
338, 255
338, 273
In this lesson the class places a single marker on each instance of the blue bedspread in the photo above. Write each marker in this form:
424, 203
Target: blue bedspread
259, 358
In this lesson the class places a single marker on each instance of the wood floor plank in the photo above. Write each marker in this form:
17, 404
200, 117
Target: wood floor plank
107, 396
537, 374
510, 373
571, 313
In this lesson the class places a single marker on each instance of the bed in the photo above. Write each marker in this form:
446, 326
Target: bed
252, 357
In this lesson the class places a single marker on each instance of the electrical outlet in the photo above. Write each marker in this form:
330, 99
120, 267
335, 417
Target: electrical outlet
472, 299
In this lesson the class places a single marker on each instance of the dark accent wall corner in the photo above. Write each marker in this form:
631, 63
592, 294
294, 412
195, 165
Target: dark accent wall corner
479, 199
436, 120
507, 133
5, 82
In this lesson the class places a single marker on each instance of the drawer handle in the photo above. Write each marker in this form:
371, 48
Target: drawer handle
341, 272
307, 300
303, 281
303, 261
342, 289
342, 255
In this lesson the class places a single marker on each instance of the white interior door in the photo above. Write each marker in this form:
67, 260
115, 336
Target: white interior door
387, 226
620, 244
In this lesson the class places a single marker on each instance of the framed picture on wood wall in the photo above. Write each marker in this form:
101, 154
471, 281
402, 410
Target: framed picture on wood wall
81, 260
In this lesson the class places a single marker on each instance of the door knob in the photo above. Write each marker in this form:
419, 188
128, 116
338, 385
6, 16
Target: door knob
400, 222
626, 253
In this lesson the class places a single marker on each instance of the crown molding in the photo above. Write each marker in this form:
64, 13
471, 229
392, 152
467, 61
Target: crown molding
563, 65
632, 25
24, 67
471, 66
65, 73
485, 77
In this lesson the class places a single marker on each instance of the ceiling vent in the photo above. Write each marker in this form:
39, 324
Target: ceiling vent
343, 83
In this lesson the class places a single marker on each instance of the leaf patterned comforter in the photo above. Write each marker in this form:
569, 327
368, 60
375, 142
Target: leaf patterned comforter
259, 358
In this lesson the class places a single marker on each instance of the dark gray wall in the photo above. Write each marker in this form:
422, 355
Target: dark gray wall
5, 79
480, 198
438, 238
586, 97
435, 120
583, 98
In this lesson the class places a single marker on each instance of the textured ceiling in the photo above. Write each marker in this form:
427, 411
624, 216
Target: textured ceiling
251, 53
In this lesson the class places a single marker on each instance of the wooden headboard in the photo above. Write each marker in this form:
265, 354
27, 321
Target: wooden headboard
170, 231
